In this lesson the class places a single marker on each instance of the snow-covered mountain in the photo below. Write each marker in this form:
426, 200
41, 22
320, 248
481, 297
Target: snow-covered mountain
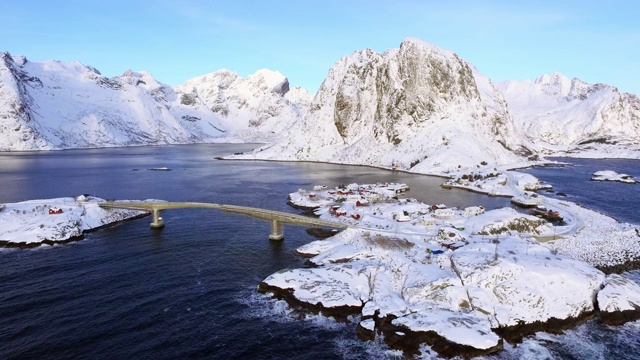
252, 109
55, 105
557, 114
418, 107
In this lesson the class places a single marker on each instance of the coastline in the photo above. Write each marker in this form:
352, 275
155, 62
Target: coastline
34, 223
6, 244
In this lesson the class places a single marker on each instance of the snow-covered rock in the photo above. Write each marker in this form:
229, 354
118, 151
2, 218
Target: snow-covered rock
49, 221
56, 105
619, 300
610, 175
418, 107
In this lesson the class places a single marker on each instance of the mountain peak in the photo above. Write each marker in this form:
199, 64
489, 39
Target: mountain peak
553, 78
270, 80
554, 84
411, 41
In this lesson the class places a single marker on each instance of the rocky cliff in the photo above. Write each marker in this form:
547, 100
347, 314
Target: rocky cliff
418, 107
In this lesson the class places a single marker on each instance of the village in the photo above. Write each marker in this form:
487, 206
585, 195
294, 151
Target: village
377, 207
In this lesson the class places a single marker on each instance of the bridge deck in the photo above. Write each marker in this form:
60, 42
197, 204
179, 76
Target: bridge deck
264, 214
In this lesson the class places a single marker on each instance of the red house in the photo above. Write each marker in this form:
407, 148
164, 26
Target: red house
54, 211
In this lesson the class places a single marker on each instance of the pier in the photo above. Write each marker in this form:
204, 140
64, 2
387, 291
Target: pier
276, 218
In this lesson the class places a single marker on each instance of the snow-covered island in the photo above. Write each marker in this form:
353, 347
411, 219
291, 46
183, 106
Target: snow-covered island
494, 182
609, 175
49, 221
459, 280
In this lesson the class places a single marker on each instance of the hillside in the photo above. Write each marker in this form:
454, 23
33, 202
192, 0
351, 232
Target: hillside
55, 105
563, 116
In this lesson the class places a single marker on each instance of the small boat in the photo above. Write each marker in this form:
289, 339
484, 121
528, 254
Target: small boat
547, 214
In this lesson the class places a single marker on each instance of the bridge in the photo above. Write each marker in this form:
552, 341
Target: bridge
277, 218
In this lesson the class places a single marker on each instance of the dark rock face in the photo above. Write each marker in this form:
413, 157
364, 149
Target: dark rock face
633, 264
401, 338
340, 313
515, 334
618, 300
409, 341
283, 88
403, 90
620, 317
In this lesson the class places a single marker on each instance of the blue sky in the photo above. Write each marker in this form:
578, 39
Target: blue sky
597, 41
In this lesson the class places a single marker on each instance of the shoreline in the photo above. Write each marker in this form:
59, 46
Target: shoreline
6, 244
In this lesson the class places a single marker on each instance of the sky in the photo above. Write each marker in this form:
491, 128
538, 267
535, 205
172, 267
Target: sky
596, 41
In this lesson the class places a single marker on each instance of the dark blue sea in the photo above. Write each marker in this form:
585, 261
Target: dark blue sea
188, 291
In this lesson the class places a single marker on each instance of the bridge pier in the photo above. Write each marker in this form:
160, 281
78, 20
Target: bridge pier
158, 221
276, 230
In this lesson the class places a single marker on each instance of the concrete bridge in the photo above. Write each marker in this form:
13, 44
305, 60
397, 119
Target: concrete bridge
277, 218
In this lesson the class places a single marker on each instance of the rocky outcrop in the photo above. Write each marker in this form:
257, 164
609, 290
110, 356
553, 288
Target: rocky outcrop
17, 130
461, 303
619, 300
409, 341
34, 223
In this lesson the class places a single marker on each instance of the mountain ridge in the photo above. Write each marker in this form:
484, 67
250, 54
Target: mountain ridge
417, 107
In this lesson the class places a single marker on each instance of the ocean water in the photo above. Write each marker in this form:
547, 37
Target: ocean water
572, 182
189, 290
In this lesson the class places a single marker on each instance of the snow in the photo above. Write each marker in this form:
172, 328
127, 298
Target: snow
417, 107
619, 294
610, 175
569, 117
256, 109
586, 235
498, 276
30, 222
56, 105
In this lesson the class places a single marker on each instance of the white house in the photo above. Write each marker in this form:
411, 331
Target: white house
443, 213
427, 221
473, 211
